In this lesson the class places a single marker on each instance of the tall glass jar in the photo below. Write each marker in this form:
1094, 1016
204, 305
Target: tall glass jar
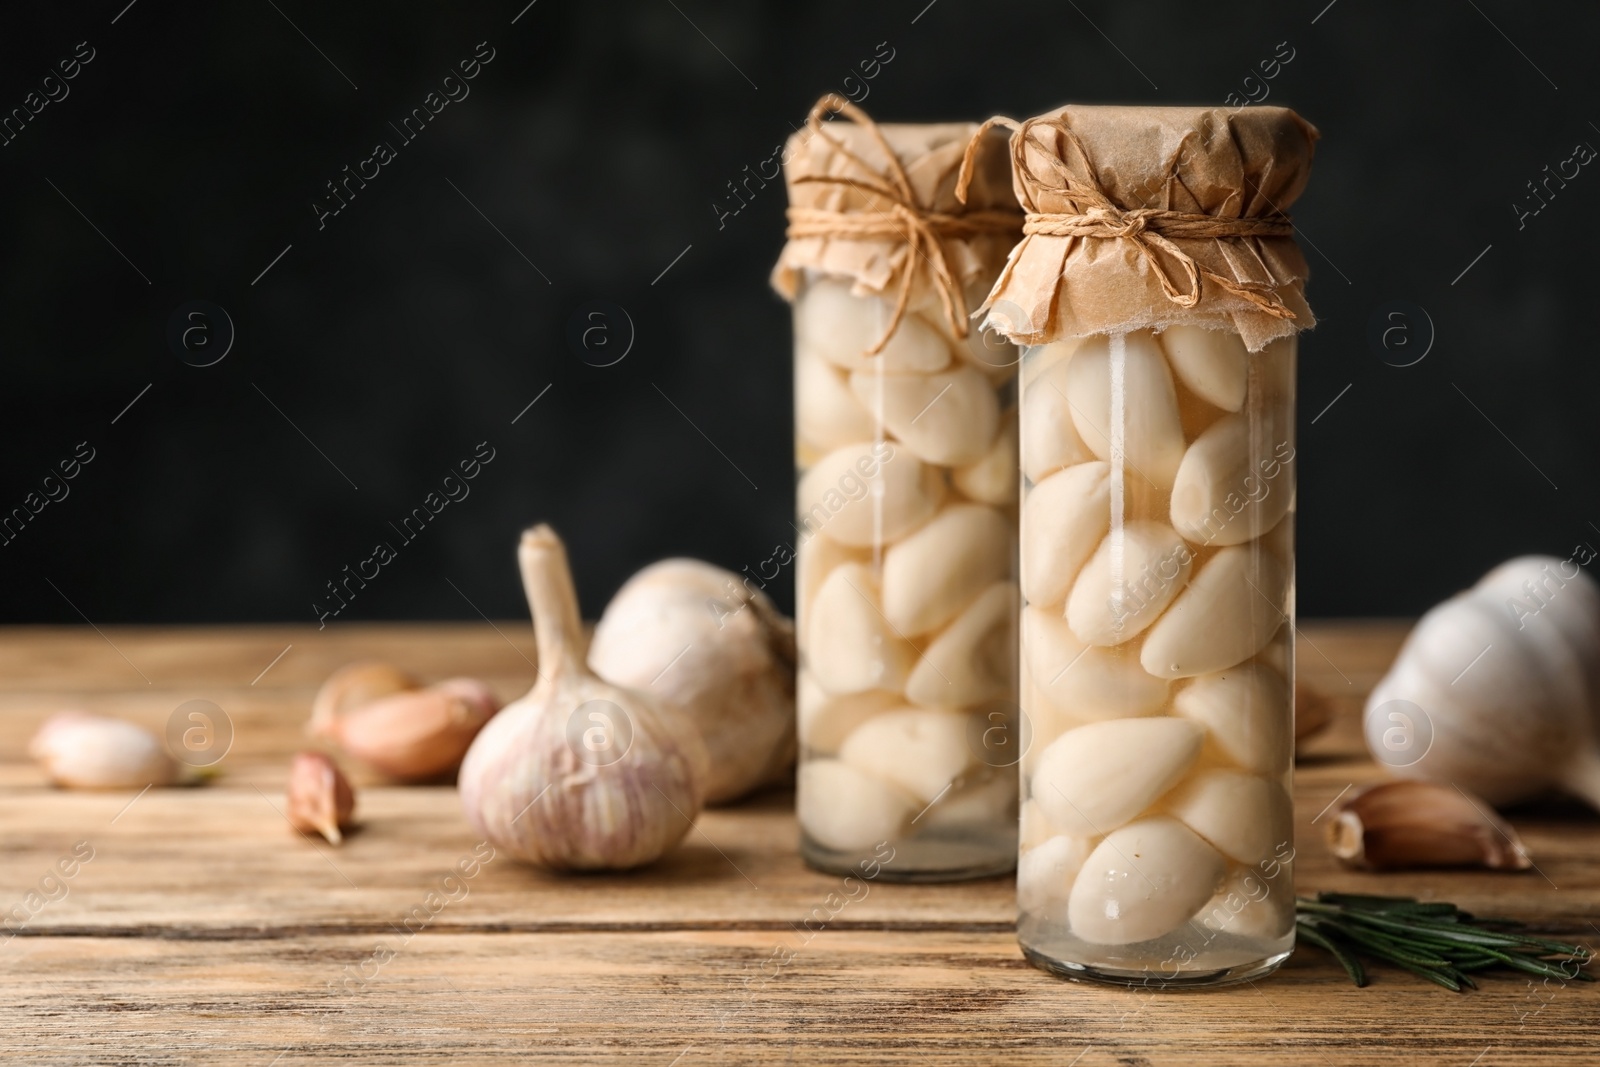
1159, 294
906, 504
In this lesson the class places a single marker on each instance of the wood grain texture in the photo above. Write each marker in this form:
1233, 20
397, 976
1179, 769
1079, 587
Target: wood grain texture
203, 930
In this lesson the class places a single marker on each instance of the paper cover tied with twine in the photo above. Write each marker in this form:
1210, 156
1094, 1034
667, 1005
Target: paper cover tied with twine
876, 205
1144, 217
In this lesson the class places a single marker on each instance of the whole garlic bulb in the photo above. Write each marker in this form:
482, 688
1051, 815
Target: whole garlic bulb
579, 774
1505, 676
714, 653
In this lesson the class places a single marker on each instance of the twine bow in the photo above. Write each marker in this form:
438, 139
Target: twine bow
1150, 229
922, 229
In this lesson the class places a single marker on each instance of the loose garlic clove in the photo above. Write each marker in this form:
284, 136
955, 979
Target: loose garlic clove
1049, 438
78, 750
1045, 876
1251, 905
850, 647
1151, 432
1399, 825
992, 477
417, 735
1085, 681
1128, 582
1064, 518
1091, 780
320, 799
847, 810
1231, 609
840, 326
918, 749
351, 686
1246, 715
1246, 817
1214, 364
982, 806
865, 494
579, 774
826, 721
947, 418
972, 660
1219, 497
932, 574
827, 413
1144, 880
713, 651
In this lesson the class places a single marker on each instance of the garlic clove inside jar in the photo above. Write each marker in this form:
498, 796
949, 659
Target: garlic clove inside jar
1151, 431
971, 660
827, 413
1064, 519
1093, 779
840, 326
992, 477
1086, 681
851, 647
824, 721
1213, 364
921, 750
1129, 581
1049, 437
867, 493
923, 589
847, 809
1231, 609
1219, 496
1046, 872
1144, 880
949, 418
1245, 817
1246, 714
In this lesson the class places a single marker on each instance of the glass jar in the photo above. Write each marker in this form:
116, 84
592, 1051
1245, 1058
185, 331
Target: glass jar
1157, 567
906, 589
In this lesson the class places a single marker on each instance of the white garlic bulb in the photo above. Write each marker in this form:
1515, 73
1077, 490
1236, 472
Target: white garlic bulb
714, 652
579, 774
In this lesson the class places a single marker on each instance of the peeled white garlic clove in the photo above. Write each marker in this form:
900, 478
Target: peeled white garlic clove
1033, 828
826, 721
850, 646
712, 651
921, 750
846, 809
1049, 438
78, 750
864, 494
980, 806
1220, 497
1151, 434
1128, 582
815, 558
1086, 681
827, 413
1400, 825
1045, 875
840, 326
1249, 904
974, 658
1144, 880
1245, 711
1214, 364
947, 418
1246, 817
579, 774
1230, 610
992, 477
932, 574
1091, 780
1064, 518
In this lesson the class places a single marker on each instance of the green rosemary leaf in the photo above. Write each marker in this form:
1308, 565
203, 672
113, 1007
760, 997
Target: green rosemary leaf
1352, 966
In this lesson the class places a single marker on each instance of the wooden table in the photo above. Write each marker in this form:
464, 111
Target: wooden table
204, 931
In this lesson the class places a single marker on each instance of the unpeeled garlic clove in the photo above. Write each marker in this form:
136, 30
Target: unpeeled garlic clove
320, 799
846, 809
1086, 681
1045, 875
932, 574
1129, 581
1144, 880
824, 721
1220, 497
1049, 438
921, 750
947, 418
420, 734
1245, 711
868, 493
1230, 610
827, 413
1214, 364
351, 686
1064, 518
78, 750
1151, 432
840, 326
1245, 817
972, 659
992, 477
1396, 825
850, 647
1093, 779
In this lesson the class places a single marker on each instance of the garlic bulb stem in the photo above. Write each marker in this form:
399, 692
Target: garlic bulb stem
547, 582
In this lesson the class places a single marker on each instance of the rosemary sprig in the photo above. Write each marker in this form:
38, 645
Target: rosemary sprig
1436, 941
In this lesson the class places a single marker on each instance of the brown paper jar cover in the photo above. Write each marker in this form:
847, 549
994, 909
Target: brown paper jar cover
1145, 176
876, 264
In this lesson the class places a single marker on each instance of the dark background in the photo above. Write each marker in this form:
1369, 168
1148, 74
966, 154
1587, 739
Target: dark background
380, 350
